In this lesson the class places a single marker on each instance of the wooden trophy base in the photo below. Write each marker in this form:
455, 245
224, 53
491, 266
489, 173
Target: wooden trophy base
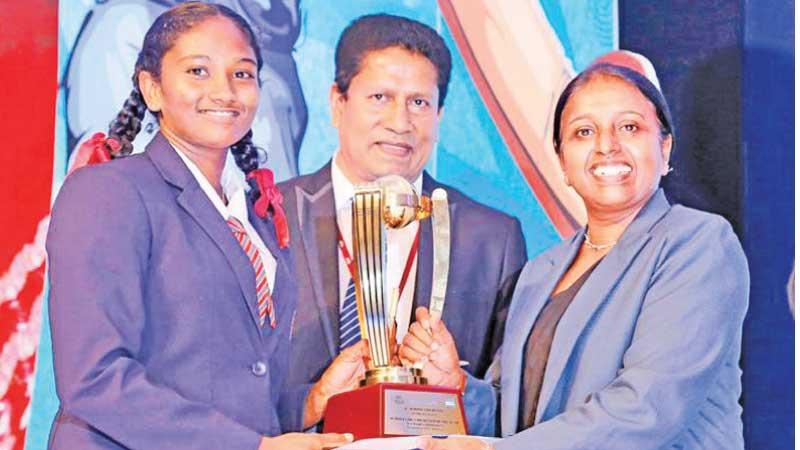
386, 409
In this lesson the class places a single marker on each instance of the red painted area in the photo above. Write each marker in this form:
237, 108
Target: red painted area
28, 83
562, 220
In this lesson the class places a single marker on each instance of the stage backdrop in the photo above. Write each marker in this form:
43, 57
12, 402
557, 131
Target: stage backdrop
511, 59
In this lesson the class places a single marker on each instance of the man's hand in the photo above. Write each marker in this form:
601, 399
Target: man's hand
305, 441
428, 343
342, 375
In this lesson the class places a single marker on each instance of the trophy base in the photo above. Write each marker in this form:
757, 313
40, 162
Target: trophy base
393, 374
395, 409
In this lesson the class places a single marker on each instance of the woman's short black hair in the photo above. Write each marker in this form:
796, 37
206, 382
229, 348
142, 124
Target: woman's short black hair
379, 31
631, 76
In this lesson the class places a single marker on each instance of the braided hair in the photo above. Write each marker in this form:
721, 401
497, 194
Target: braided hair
159, 39
128, 122
247, 156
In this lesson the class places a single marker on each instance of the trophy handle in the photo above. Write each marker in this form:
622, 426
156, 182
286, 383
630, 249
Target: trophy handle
440, 222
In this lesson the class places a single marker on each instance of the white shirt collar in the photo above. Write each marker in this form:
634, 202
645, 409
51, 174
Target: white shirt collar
234, 187
343, 189
233, 184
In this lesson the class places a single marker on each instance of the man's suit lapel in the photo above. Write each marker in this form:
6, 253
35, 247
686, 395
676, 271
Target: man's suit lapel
195, 202
594, 293
316, 212
533, 294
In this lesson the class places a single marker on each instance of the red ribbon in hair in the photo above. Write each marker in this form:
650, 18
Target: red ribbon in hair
271, 198
98, 149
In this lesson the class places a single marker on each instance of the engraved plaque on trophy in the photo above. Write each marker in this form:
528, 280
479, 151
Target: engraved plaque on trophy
394, 400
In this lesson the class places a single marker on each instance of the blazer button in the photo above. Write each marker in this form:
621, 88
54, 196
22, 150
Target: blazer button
259, 369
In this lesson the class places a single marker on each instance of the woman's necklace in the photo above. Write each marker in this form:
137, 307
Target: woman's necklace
597, 247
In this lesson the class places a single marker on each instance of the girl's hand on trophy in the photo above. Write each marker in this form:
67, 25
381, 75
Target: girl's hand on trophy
305, 441
342, 375
346, 370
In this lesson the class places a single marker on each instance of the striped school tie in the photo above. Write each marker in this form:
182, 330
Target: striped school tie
349, 330
263, 294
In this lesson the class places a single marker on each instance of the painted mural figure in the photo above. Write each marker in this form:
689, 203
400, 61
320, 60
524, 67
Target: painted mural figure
97, 79
507, 45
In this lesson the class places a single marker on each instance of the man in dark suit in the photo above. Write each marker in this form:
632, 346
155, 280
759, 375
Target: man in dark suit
392, 75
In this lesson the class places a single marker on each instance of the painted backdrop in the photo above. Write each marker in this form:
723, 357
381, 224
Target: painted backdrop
511, 60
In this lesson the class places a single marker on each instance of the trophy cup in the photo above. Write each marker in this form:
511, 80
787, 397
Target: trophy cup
394, 400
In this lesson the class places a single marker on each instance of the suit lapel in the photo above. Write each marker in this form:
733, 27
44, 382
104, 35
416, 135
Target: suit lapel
317, 222
198, 206
594, 293
533, 295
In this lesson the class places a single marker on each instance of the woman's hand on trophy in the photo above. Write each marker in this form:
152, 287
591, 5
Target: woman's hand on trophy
430, 345
305, 441
342, 375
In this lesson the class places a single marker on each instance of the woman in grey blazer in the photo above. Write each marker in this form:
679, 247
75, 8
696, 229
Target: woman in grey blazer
172, 295
627, 335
